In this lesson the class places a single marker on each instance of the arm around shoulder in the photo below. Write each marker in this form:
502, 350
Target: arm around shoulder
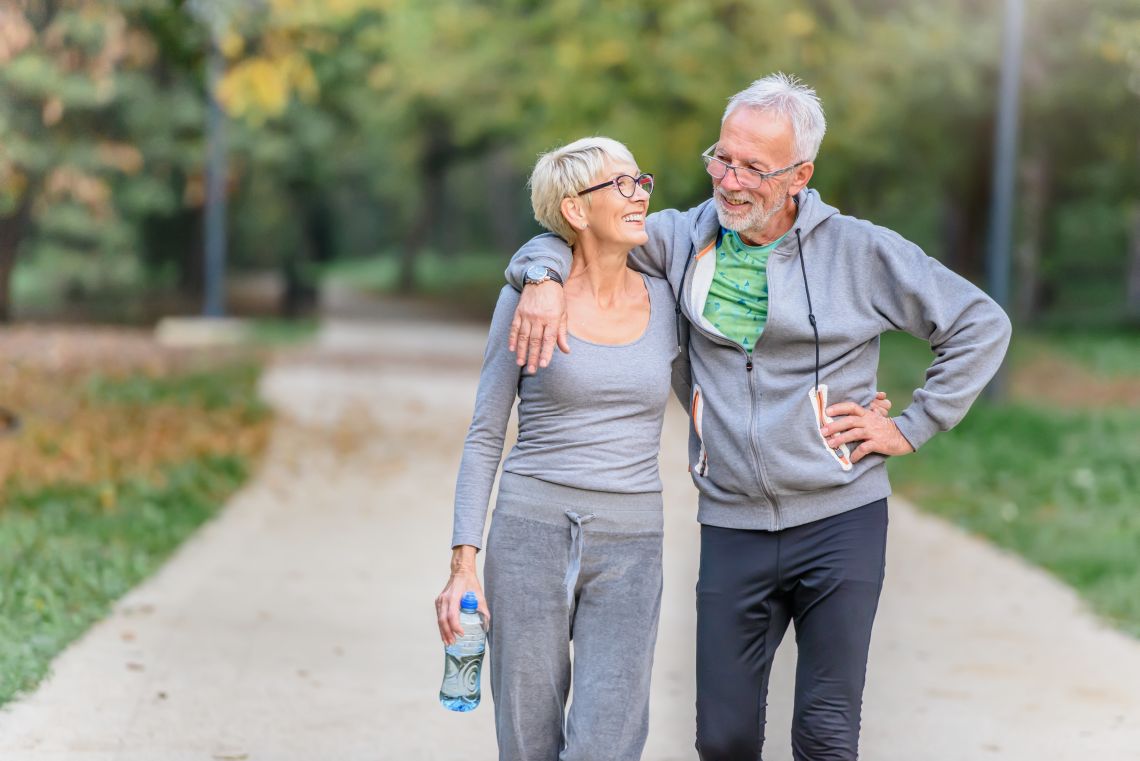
547, 249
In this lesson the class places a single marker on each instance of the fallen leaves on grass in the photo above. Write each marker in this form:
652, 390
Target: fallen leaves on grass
116, 406
1050, 378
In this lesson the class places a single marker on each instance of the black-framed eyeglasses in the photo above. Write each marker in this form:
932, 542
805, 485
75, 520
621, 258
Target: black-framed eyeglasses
749, 178
626, 184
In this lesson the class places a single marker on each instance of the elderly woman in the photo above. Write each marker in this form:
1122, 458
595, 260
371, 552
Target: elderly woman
574, 550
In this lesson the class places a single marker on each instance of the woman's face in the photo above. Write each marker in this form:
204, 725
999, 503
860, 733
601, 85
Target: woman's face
613, 218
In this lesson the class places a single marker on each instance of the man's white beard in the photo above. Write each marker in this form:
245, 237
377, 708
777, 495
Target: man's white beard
751, 222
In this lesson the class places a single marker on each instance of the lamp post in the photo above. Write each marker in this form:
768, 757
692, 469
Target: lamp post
1005, 159
216, 16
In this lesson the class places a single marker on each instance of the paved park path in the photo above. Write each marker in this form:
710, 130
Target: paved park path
298, 625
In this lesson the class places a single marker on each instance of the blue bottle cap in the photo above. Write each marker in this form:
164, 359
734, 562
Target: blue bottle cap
469, 603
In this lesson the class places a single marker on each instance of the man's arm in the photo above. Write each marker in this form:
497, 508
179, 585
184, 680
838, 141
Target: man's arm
681, 379
540, 320
966, 330
657, 255
548, 250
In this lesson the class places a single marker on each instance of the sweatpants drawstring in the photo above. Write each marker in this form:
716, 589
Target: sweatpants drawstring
575, 565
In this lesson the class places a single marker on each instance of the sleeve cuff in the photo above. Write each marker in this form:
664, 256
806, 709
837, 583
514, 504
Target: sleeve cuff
474, 541
916, 426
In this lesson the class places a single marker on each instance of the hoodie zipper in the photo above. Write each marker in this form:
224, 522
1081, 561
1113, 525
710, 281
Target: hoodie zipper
758, 470
753, 405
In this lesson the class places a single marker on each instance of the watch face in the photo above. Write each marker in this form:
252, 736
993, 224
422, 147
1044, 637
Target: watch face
535, 272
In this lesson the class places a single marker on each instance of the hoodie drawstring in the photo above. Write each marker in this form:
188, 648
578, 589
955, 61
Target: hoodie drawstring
811, 313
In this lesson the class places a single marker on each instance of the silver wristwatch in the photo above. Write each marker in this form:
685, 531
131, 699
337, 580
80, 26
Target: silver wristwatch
538, 273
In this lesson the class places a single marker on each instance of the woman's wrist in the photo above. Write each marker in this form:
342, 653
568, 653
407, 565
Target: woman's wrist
463, 560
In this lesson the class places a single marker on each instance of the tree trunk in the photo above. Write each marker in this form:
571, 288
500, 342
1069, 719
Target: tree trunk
951, 225
314, 246
175, 239
504, 205
13, 230
971, 255
965, 209
1027, 256
1133, 302
437, 157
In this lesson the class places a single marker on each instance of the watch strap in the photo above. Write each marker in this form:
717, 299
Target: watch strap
548, 274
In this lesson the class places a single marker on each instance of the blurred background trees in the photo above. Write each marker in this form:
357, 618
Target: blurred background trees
400, 131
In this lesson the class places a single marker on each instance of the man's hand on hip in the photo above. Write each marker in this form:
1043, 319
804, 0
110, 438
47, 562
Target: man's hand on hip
540, 322
876, 432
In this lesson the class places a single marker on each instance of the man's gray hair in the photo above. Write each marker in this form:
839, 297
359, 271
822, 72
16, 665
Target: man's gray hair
562, 172
785, 95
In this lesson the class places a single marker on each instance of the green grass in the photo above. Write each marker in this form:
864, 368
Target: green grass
1105, 352
68, 550
1056, 486
65, 557
281, 332
376, 273
230, 385
209, 389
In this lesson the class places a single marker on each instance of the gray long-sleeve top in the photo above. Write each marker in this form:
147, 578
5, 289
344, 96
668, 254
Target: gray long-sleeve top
590, 420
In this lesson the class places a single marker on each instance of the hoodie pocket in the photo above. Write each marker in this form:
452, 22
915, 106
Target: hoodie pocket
696, 414
841, 455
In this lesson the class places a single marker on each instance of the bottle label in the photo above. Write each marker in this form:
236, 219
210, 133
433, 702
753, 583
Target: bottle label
461, 674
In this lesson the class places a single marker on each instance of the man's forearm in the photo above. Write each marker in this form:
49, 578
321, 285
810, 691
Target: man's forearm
548, 250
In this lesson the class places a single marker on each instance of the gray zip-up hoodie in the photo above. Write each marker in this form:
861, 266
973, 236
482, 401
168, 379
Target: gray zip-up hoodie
755, 450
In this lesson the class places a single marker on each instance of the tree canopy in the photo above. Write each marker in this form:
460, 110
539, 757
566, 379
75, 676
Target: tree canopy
368, 126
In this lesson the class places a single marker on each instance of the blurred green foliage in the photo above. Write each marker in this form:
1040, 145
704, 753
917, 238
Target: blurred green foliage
434, 279
361, 126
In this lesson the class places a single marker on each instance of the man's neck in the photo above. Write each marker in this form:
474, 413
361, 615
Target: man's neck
776, 228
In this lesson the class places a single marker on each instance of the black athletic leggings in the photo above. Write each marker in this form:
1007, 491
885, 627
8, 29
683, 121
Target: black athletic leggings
825, 577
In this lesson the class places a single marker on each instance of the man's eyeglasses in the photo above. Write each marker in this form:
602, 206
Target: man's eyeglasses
746, 176
625, 184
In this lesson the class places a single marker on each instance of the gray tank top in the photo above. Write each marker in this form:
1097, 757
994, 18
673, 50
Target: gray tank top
590, 420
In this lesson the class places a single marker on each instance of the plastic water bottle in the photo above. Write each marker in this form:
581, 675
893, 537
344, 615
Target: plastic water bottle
463, 660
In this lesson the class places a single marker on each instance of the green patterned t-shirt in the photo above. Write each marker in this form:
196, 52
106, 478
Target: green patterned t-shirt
738, 298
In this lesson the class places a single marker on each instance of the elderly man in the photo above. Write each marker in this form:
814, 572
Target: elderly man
782, 300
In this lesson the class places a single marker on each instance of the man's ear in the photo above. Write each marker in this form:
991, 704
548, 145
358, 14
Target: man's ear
801, 177
574, 213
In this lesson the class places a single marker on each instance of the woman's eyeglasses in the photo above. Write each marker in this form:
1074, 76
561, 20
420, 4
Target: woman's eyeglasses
625, 184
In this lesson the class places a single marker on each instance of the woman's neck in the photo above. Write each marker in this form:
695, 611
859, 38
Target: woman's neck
600, 269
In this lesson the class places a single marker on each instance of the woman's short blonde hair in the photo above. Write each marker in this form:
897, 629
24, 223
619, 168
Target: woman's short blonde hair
562, 172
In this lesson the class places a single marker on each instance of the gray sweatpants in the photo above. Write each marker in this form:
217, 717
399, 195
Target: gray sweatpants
569, 564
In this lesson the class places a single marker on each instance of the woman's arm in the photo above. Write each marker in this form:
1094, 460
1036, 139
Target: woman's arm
483, 448
482, 453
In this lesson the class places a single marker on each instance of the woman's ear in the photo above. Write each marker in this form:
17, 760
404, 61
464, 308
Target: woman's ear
574, 213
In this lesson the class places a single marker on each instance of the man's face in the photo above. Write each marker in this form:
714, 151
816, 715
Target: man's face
755, 139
